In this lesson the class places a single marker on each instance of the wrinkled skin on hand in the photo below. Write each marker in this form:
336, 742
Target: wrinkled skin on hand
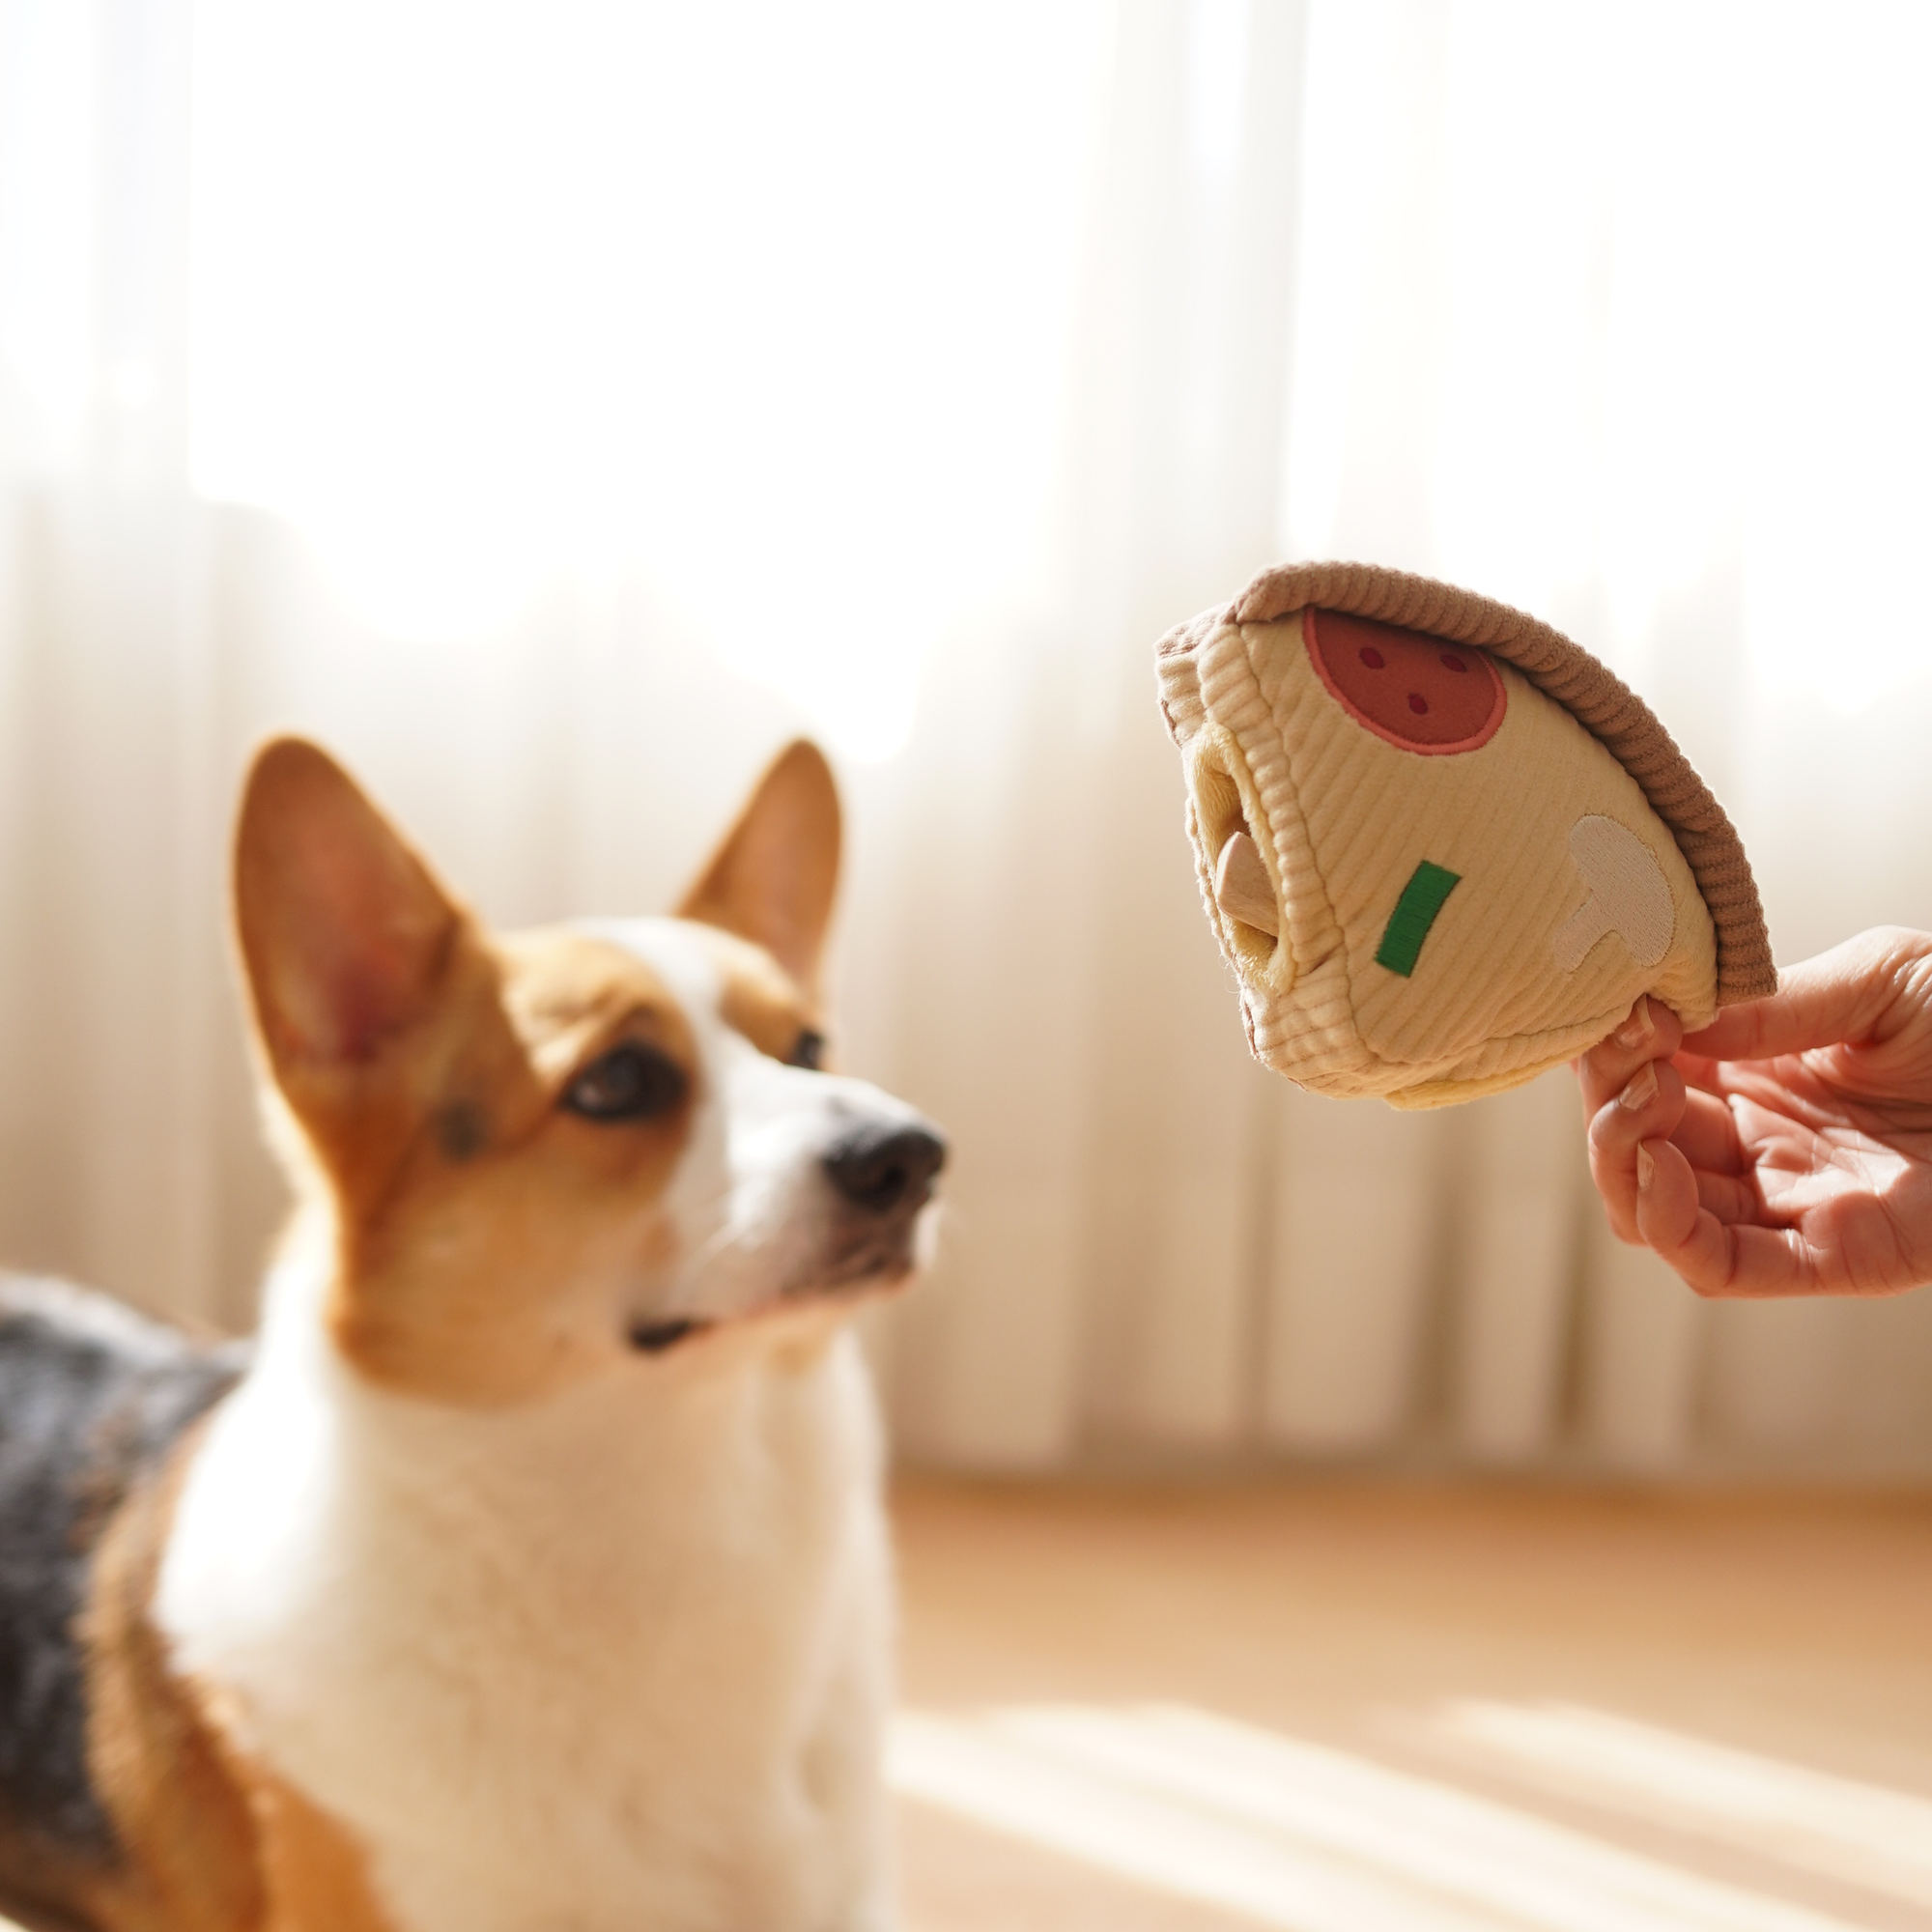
1787, 1147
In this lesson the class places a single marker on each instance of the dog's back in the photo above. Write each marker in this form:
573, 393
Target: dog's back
92, 1399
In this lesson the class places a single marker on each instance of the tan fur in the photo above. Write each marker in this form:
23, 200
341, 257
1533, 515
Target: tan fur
408, 1069
773, 878
441, 1291
183, 1818
315, 1876
47, 1891
448, 1047
761, 1000
212, 1843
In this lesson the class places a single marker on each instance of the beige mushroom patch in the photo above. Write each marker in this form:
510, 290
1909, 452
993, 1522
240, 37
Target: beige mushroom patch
1629, 897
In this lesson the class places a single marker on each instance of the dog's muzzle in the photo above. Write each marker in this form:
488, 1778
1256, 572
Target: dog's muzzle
881, 1173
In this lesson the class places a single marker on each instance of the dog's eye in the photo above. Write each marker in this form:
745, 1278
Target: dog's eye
808, 1050
628, 1082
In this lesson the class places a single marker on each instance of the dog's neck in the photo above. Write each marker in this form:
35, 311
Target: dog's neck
411, 1603
635, 1457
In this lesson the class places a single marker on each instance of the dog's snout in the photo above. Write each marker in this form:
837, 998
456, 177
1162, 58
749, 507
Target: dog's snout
880, 1166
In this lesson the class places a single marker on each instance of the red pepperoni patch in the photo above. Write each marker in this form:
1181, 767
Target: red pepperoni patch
1403, 685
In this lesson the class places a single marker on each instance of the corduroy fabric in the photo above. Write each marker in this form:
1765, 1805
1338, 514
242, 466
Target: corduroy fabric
1342, 818
1599, 700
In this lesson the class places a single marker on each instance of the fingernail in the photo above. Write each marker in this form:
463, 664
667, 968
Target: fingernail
1642, 1088
1646, 1168
1637, 1028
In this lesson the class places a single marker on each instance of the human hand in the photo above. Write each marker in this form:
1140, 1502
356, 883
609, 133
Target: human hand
1787, 1147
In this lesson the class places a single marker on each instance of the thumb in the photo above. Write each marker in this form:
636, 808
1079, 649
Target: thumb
1853, 993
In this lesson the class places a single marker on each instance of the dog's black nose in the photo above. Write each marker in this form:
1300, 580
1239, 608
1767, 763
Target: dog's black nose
883, 1165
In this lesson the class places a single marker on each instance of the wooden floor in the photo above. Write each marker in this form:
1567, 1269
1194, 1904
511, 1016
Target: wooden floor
1700, 1711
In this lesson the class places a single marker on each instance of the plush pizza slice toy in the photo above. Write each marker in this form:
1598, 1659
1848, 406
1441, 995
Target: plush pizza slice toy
1442, 846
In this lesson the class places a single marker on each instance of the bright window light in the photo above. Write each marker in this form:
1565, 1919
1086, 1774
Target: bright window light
767, 305
1638, 286
47, 69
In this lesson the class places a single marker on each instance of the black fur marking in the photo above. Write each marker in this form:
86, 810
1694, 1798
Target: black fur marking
655, 1337
92, 1397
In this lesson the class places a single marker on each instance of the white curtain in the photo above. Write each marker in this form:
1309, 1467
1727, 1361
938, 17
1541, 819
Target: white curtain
553, 406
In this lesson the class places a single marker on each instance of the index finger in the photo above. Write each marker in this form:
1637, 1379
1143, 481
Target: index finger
1651, 1033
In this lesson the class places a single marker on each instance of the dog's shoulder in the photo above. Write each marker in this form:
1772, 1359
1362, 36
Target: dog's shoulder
92, 1399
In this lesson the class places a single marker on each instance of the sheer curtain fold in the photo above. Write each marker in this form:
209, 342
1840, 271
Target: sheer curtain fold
1461, 288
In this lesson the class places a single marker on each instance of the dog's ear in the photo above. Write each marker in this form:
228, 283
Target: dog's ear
344, 930
771, 881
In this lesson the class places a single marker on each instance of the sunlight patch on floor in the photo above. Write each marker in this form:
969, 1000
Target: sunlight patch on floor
1838, 1827
1299, 1836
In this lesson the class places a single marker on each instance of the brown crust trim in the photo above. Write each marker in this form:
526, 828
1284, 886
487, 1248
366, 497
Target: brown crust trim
1592, 693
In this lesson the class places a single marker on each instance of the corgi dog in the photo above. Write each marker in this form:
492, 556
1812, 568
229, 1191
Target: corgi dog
529, 1572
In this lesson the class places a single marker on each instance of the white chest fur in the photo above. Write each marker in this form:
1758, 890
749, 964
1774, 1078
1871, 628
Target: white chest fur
616, 1662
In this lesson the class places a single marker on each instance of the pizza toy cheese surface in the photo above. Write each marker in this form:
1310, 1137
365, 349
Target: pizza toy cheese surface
1444, 848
